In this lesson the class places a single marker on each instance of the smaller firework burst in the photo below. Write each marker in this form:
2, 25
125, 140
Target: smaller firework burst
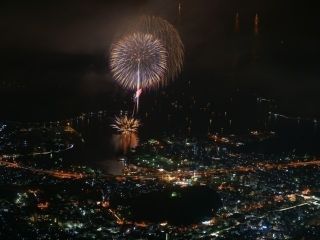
126, 125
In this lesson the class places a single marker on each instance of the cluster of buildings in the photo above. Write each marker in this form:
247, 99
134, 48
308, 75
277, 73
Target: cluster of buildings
22, 140
263, 196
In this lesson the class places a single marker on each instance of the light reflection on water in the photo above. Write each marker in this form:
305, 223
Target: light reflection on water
121, 144
124, 142
109, 157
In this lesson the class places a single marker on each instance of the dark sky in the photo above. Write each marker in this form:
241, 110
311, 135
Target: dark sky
62, 47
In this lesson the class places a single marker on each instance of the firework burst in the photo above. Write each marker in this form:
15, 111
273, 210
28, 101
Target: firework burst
126, 125
138, 60
169, 37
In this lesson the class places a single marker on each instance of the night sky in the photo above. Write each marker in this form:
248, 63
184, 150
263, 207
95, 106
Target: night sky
54, 51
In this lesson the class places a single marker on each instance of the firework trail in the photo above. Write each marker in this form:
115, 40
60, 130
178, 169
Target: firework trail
256, 24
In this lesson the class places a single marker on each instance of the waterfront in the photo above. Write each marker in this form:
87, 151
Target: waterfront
159, 120
258, 185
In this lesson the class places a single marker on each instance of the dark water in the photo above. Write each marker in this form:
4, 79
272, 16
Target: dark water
103, 150
99, 150
298, 137
179, 206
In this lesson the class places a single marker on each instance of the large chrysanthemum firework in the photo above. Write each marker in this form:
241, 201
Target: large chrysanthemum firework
138, 60
126, 125
170, 38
